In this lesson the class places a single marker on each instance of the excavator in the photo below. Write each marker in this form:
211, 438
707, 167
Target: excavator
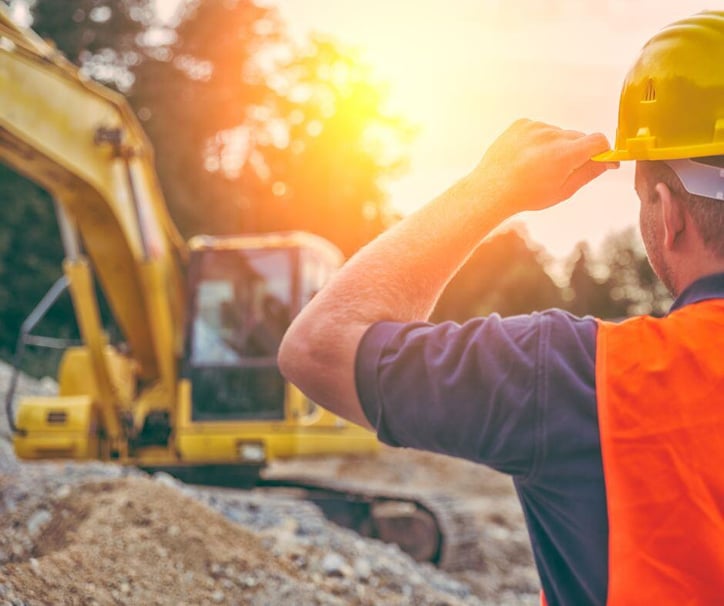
192, 388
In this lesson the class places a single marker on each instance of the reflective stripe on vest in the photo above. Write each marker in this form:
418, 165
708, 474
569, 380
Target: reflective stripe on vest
660, 393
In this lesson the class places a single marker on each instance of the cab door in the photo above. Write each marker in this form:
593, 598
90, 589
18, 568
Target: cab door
241, 305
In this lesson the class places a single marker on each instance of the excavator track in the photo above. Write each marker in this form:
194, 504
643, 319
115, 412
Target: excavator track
428, 526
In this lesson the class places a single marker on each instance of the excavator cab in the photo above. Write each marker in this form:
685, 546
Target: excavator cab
243, 293
235, 409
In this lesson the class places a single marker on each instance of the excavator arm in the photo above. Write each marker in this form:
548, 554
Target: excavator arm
83, 144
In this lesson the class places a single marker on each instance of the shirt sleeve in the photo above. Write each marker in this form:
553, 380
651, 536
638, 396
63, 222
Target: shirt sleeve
477, 390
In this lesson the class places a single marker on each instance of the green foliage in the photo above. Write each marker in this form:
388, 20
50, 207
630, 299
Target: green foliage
30, 262
188, 84
618, 282
507, 275
198, 97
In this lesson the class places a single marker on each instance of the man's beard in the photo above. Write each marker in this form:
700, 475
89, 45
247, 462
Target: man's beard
654, 244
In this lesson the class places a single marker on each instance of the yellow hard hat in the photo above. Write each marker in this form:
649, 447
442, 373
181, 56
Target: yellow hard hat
672, 102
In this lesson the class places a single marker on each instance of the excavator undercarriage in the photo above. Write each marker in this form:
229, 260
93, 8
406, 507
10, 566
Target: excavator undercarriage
430, 527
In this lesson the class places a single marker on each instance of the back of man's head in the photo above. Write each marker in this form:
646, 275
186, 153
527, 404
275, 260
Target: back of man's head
699, 183
671, 119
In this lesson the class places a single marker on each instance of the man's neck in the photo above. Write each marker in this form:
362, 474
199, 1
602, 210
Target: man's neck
687, 272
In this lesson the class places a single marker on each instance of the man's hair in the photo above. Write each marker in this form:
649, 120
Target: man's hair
707, 213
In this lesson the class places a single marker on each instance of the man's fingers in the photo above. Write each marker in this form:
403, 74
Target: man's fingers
582, 175
587, 146
572, 134
541, 163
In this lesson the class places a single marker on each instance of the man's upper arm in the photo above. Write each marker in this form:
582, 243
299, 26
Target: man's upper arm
477, 390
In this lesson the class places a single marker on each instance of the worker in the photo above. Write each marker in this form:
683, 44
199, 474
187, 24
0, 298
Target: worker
612, 432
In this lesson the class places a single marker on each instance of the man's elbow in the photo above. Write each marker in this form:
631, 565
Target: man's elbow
321, 364
292, 356
300, 357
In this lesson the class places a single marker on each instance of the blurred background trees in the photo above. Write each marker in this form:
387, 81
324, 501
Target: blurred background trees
252, 130
617, 282
510, 275
255, 131
506, 274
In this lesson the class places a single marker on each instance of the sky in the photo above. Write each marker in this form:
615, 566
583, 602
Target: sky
463, 70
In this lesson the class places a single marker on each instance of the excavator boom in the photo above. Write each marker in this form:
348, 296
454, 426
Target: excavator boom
83, 144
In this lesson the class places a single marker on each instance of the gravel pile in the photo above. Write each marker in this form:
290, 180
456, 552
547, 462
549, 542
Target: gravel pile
101, 534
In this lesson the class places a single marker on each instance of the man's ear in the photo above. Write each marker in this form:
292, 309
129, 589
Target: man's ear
673, 215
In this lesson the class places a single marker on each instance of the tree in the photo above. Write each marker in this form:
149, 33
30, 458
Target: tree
30, 260
616, 283
191, 82
339, 146
589, 292
505, 275
631, 279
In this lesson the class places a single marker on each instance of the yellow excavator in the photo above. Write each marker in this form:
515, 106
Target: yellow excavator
193, 389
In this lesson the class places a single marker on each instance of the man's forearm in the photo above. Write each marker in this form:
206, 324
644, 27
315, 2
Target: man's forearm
401, 274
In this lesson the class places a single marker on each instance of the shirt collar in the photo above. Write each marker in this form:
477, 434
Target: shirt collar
708, 287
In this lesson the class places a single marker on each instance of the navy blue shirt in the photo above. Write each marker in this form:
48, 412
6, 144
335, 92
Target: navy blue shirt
517, 394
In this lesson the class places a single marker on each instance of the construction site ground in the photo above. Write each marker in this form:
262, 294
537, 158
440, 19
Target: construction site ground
102, 534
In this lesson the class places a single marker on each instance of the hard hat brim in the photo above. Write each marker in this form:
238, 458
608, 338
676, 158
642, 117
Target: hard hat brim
612, 155
715, 148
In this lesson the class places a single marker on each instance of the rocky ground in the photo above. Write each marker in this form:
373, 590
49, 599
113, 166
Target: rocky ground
101, 534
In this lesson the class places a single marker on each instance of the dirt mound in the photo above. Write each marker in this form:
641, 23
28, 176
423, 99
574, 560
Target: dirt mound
92, 533
507, 574
138, 542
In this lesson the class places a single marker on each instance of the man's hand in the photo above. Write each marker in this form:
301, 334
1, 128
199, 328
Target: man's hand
536, 165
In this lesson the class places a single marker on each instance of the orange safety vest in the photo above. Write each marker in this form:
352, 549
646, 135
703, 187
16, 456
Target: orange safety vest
660, 393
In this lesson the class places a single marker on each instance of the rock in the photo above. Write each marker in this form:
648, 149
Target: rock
334, 565
362, 569
166, 479
37, 521
63, 492
48, 385
247, 581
